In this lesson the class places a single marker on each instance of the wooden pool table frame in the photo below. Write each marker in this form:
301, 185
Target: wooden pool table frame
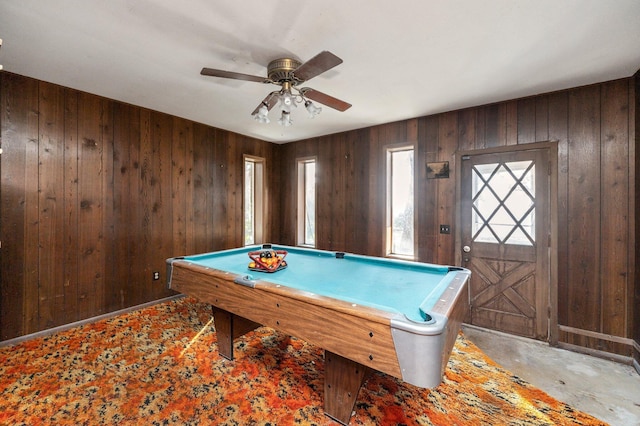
355, 338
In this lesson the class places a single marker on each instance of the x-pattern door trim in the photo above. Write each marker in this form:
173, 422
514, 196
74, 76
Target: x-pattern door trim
503, 285
502, 201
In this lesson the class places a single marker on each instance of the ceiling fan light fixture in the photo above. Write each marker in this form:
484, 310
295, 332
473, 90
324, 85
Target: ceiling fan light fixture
289, 74
262, 116
312, 109
287, 100
285, 119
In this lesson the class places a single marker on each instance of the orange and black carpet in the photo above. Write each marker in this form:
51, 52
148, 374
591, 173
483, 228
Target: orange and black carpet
160, 366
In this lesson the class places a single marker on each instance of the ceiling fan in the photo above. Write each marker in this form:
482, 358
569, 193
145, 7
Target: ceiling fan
289, 74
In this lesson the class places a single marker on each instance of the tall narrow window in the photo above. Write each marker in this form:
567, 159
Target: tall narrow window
253, 200
306, 233
400, 201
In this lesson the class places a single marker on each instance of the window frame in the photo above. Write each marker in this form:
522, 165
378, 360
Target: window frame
259, 199
388, 226
301, 211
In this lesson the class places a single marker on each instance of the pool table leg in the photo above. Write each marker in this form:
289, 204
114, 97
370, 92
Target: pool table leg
229, 327
342, 381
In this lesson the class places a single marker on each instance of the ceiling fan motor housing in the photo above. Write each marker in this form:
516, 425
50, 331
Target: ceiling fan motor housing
281, 70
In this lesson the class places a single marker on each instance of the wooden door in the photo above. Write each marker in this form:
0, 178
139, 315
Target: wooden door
504, 240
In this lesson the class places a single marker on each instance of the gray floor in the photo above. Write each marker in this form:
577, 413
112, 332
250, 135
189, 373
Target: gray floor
605, 389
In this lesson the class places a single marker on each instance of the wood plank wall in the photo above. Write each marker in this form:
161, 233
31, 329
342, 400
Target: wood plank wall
594, 129
96, 194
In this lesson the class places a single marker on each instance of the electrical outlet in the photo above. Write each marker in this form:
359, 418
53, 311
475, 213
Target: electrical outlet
445, 229
156, 275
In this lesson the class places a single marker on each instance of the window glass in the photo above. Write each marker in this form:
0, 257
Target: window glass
253, 200
310, 203
306, 233
400, 202
504, 203
249, 192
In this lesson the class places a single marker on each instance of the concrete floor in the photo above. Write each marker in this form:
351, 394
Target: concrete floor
605, 389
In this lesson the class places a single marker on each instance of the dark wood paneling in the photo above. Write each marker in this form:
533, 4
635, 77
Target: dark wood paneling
96, 194
584, 209
468, 137
445, 191
558, 121
359, 187
181, 184
427, 205
614, 223
542, 118
145, 206
526, 126
326, 168
19, 115
91, 113
376, 202
233, 192
202, 181
51, 204
127, 242
70, 252
161, 208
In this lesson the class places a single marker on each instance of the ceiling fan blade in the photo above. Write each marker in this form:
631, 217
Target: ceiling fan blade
270, 101
325, 99
234, 75
320, 63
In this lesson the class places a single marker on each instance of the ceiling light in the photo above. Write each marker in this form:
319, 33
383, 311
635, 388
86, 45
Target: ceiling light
289, 73
312, 109
285, 120
285, 100
262, 115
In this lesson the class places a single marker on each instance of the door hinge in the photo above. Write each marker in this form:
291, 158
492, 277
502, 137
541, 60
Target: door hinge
466, 157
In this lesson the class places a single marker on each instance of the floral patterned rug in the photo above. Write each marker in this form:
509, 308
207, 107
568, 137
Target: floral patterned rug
160, 366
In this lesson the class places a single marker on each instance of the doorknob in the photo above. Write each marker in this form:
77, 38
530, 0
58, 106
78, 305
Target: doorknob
466, 249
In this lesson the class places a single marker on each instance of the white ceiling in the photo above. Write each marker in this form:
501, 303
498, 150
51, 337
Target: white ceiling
402, 59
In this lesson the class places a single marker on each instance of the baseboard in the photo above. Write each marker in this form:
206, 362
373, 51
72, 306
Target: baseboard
621, 359
503, 334
617, 347
64, 327
596, 353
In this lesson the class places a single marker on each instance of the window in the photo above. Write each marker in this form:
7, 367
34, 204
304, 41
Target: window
306, 233
253, 200
400, 201
504, 203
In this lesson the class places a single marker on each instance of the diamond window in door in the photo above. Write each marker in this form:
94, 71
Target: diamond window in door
504, 203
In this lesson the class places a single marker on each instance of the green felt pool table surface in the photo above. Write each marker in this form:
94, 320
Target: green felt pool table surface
393, 285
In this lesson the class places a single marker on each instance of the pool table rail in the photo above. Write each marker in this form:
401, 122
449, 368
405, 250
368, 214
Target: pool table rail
360, 333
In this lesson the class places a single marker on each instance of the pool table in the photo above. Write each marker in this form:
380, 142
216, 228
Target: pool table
394, 316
